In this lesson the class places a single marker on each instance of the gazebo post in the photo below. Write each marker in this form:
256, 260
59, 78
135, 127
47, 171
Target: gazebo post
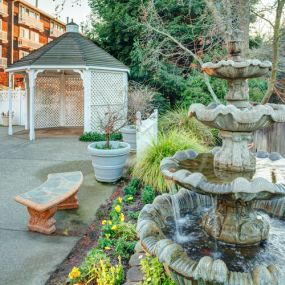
87, 100
10, 129
32, 104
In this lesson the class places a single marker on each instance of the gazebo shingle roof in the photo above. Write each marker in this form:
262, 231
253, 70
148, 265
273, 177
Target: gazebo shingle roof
70, 49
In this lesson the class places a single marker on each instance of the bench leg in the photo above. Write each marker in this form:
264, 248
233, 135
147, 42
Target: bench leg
42, 222
70, 203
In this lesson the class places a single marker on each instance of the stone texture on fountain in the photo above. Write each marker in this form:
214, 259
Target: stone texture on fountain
152, 229
233, 70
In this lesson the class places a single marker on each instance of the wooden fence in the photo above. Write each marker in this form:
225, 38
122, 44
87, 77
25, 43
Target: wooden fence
271, 139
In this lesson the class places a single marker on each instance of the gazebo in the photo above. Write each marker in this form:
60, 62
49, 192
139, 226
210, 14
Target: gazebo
70, 82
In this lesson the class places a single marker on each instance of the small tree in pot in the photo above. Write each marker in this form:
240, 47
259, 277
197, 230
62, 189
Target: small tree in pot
140, 99
109, 157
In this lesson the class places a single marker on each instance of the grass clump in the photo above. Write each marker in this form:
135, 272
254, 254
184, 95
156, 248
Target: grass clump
179, 120
97, 137
147, 169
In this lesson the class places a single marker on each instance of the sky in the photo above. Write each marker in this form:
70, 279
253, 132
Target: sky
78, 14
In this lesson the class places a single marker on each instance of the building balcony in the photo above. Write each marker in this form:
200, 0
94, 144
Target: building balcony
3, 62
31, 22
28, 44
4, 37
55, 33
3, 10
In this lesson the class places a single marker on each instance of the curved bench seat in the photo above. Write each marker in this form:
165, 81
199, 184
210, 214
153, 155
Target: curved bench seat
59, 192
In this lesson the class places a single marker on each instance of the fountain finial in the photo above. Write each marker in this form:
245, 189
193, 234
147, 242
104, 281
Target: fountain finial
234, 40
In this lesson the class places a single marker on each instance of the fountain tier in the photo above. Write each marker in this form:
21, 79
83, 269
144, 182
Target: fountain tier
234, 220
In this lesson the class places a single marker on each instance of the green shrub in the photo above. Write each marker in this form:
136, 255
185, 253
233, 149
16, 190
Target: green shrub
130, 191
134, 214
148, 195
179, 120
257, 89
132, 188
154, 272
96, 137
127, 231
124, 248
147, 169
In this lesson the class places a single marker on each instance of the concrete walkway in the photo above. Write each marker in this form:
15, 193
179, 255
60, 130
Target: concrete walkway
28, 258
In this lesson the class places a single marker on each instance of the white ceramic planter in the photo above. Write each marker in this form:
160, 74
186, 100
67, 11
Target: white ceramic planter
108, 164
130, 136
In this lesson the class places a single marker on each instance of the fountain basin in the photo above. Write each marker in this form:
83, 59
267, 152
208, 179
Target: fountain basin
230, 118
232, 70
153, 229
197, 173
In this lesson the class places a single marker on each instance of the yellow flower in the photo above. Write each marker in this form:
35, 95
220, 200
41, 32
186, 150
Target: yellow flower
130, 198
75, 273
114, 228
104, 222
109, 222
107, 235
122, 217
107, 247
120, 200
118, 208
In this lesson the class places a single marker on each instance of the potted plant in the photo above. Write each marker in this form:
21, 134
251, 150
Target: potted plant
5, 118
109, 157
140, 99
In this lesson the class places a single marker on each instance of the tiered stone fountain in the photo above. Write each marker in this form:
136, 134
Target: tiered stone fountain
212, 231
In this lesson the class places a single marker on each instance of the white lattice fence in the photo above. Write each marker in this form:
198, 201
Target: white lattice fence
59, 101
74, 102
147, 131
47, 102
19, 106
108, 93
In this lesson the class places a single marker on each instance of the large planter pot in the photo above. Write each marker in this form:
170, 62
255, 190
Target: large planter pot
5, 120
108, 164
130, 136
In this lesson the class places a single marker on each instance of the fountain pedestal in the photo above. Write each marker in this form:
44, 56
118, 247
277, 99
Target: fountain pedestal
236, 222
234, 154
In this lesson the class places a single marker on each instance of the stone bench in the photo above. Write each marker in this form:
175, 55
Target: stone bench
59, 192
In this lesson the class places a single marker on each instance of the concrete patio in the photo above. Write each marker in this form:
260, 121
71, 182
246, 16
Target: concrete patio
26, 257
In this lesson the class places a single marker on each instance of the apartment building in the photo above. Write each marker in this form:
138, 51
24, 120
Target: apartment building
23, 29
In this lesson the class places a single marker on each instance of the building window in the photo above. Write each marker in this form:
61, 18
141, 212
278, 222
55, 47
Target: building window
24, 33
22, 54
35, 37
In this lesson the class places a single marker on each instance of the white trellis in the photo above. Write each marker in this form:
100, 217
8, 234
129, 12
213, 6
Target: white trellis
147, 131
19, 106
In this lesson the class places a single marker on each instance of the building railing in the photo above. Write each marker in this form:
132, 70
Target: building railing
31, 22
3, 10
55, 32
3, 62
28, 44
4, 36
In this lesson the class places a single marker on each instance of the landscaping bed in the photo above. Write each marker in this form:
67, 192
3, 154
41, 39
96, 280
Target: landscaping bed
110, 237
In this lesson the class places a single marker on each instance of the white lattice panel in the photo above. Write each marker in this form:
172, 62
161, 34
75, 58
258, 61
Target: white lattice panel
108, 92
47, 102
74, 102
59, 101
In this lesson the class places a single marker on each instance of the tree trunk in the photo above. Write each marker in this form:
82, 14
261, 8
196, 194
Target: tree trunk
275, 47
